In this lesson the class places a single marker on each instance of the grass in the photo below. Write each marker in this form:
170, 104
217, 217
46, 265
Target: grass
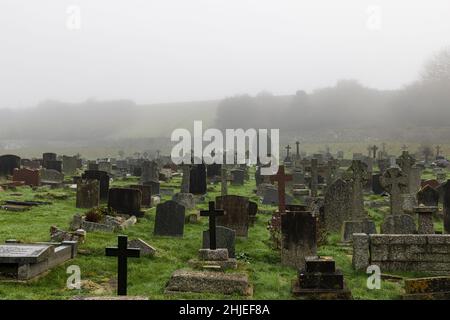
148, 276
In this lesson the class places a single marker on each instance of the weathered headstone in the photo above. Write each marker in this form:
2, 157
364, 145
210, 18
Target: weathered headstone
236, 213
337, 205
238, 177
102, 177
155, 186
197, 183
212, 213
395, 183
281, 178
428, 196
28, 176
358, 171
88, 194
146, 194
51, 177
376, 184
8, 163
406, 162
125, 201
149, 171
69, 165
169, 219
225, 238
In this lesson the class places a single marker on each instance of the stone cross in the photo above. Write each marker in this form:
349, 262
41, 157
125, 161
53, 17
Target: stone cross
374, 151
212, 213
288, 148
406, 162
395, 182
122, 252
358, 170
281, 178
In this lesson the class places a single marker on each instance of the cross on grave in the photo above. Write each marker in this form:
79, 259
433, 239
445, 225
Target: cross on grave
288, 148
122, 252
212, 213
281, 178
394, 181
374, 151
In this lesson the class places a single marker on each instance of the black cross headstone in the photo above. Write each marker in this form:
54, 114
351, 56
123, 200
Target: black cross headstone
212, 213
122, 252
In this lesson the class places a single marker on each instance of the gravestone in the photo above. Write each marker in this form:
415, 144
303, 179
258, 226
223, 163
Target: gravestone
298, 177
70, 165
105, 166
398, 224
225, 239
337, 205
88, 194
51, 177
149, 171
376, 184
48, 156
146, 194
197, 179
155, 187
28, 176
270, 195
395, 182
224, 181
213, 170
92, 166
432, 183
428, 197
314, 177
54, 165
8, 163
406, 162
425, 219
236, 213
102, 177
125, 201
445, 189
122, 252
185, 178
212, 213
281, 178
358, 173
298, 238
169, 219
187, 200
238, 177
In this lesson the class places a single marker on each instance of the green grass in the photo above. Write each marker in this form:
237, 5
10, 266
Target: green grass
148, 276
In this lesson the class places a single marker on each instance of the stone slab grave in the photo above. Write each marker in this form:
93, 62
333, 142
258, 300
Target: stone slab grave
298, 241
125, 201
431, 288
146, 194
209, 282
8, 163
29, 177
236, 213
108, 223
169, 219
320, 280
429, 253
26, 261
103, 179
20, 206
88, 194
51, 177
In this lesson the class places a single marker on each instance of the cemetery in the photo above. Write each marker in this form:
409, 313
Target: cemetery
317, 244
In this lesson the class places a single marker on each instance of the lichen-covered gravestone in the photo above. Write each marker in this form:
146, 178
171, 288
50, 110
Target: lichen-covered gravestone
337, 205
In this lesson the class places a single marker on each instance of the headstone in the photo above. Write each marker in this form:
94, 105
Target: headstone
238, 177
54, 165
70, 165
122, 252
298, 238
187, 200
428, 196
48, 156
105, 166
225, 238
337, 205
425, 219
8, 163
146, 194
212, 213
406, 162
88, 194
185, 179
102, 177
445, 189
395, 182
398, 224
358, 171
51, 177
314, 177
197, 183
224, 181
213, 170
155, 186
28, 176
376, 184
169, 219
125, 201
236, 213
281, 178
149, 171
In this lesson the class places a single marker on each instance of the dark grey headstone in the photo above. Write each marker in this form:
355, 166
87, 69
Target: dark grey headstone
225, 238
169, 219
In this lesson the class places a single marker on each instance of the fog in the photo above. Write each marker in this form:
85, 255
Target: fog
172, 51
89, 73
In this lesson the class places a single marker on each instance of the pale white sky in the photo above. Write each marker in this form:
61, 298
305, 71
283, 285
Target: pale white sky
177, 50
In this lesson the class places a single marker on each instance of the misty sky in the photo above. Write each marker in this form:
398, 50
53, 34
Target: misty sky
180, 50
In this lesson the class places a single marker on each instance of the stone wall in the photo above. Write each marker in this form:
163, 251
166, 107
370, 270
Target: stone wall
406, 252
